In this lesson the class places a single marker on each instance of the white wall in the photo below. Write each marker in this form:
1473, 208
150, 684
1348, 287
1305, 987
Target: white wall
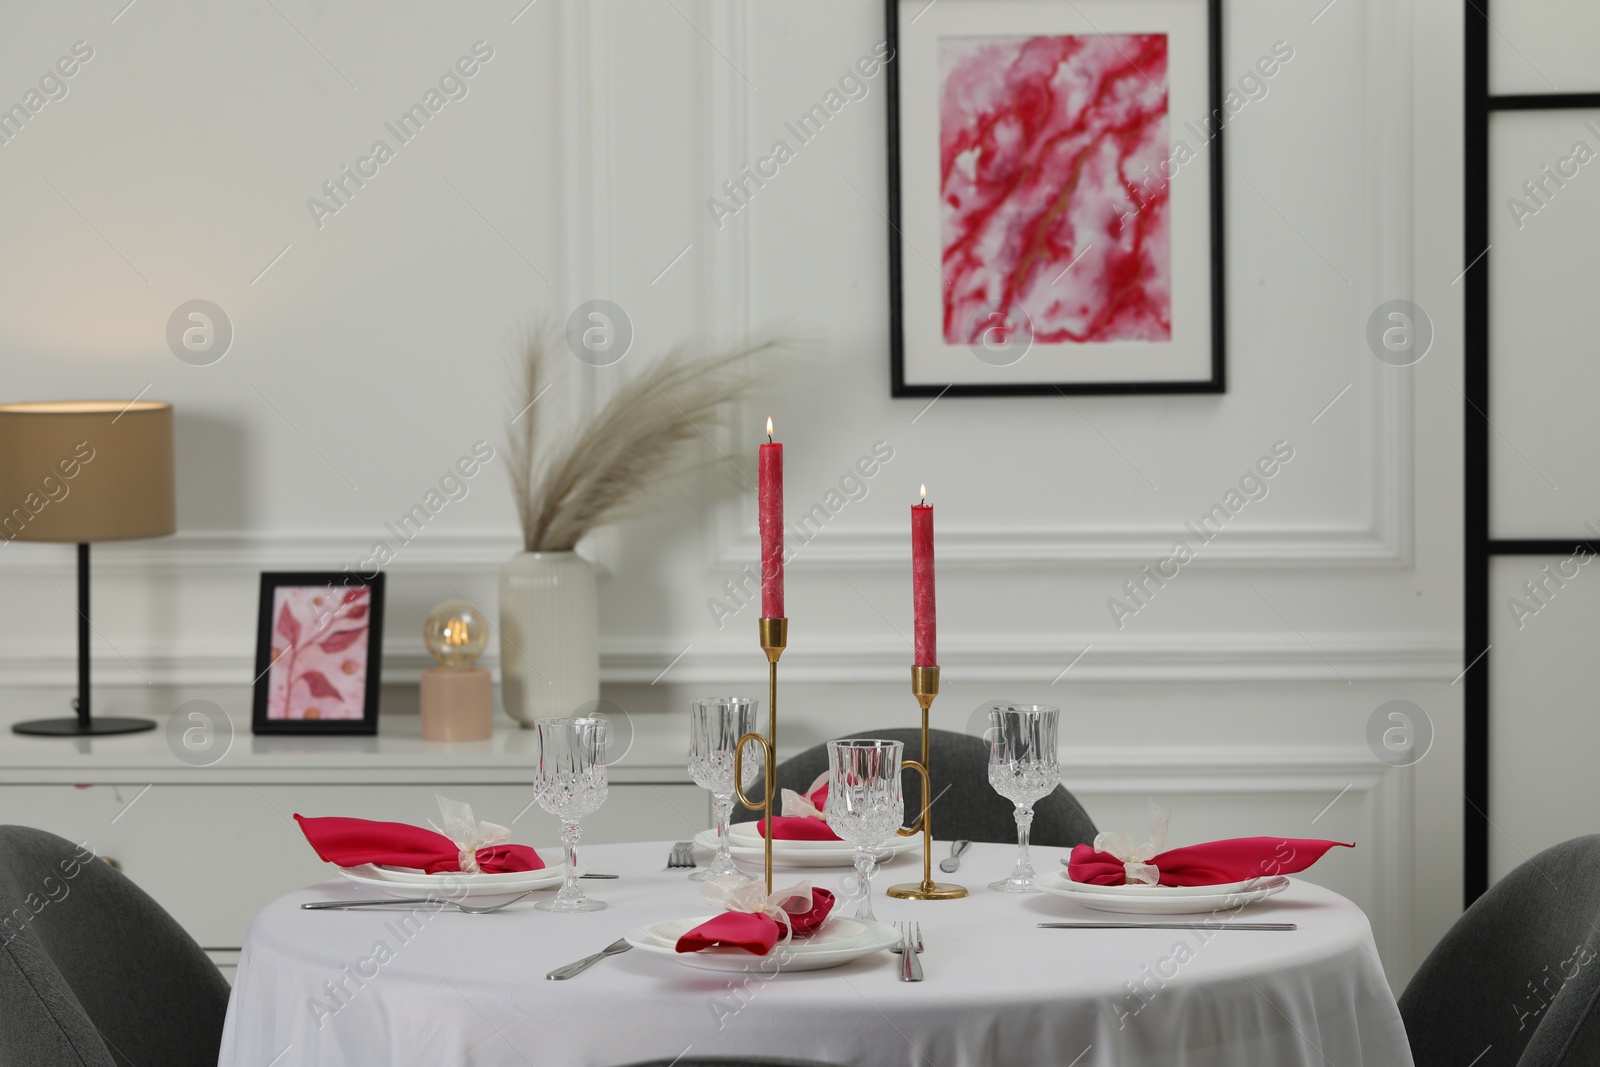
374, 351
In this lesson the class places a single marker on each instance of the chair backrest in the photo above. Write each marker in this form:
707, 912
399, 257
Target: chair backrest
44, 1023
1516, 979
94, 972
965, 806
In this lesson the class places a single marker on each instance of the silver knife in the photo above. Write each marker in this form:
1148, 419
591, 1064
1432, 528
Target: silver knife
1168, 926
335, 905
561, 974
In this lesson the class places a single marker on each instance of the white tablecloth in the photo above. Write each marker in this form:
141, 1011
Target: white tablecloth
317, 988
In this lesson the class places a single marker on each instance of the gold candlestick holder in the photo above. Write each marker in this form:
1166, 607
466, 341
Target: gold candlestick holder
925, 686
774, 638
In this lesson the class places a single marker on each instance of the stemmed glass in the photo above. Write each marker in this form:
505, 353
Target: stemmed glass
570, 782
865, 804
1023, 768
715, 726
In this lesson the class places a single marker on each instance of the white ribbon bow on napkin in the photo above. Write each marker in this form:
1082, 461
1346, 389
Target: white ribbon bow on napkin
736, 894
1134, 860
468, 834
799, 806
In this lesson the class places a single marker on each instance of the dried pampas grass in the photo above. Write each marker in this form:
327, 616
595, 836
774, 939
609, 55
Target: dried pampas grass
646, 446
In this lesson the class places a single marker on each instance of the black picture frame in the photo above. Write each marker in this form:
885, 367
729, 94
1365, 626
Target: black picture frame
339, 585
1216, 383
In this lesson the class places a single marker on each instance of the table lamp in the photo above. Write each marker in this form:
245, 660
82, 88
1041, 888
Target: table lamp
457, 697
84, 471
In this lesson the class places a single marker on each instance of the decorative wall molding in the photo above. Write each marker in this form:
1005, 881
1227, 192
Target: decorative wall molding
242, 555
833, 549
586, 193
722, 142
1011, 659
1012, 548
1381, 537
1032, 659
1388, 271
483, 553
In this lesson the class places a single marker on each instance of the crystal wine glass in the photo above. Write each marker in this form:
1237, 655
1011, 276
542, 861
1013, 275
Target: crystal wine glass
715, 726
865, 804
571, 782
1023, 768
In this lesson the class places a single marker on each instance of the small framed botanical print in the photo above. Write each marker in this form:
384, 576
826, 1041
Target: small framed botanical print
1055, 197
319, 651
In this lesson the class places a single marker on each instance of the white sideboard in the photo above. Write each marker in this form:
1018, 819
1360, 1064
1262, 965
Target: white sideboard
215, 843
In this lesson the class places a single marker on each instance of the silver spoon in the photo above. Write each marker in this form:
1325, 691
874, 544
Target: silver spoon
956, 849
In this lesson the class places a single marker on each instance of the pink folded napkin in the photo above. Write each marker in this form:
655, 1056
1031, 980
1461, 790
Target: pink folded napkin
1213, 863
471, 847
802, 818
758, 931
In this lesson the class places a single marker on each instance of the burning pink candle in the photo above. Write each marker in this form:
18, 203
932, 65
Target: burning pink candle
927, 644
770, 496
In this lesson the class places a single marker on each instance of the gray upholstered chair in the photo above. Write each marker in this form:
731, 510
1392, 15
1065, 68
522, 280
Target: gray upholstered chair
1516, 981
93, 973
970, 808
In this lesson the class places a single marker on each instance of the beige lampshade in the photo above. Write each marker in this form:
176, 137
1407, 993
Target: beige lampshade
86, 470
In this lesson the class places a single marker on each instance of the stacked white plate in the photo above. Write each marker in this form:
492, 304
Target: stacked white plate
838, 942
745, 843
1160, 899
408, 882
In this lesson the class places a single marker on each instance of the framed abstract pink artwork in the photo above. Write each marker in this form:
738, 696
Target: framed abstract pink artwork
318, 653
1055, 176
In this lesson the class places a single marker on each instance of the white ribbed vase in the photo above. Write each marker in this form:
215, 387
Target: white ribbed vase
549, 635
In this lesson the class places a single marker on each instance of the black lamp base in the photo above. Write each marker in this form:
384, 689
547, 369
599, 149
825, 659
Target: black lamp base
73, 728
83, 724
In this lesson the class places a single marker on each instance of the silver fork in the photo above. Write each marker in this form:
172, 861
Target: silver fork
410, 902
561, 974
682, 855
916, 935
910, 946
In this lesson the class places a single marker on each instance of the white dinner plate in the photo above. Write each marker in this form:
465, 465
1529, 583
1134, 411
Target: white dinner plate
412, 876
835, 854
1167, 890
838, 942
1151, 900
454, 884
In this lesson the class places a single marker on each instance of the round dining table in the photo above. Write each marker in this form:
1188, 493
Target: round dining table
361, 987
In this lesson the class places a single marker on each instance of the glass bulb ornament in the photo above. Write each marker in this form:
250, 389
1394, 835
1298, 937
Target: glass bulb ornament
456, 633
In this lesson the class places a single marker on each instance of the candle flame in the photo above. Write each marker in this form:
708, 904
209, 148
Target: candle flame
769, 425
924, 494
